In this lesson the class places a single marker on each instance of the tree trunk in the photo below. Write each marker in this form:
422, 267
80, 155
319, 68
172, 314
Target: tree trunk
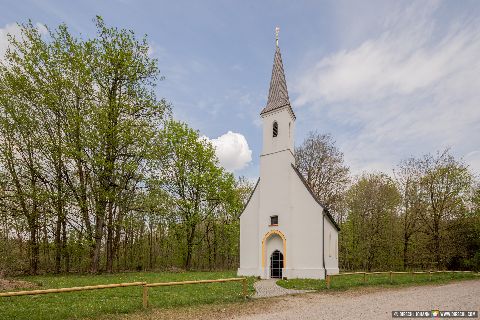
436, 246
99, 226
109, 244
58, 244
65, 251
190, 238
116, 241
34, 250
405, 251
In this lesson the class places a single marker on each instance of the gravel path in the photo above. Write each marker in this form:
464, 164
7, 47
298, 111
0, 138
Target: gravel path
371, 304
367, 303
269, 288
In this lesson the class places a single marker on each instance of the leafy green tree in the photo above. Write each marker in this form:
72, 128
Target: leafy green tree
191, 175
84, 114
125, 121
20, 133
408, 177
372, 204
445, 184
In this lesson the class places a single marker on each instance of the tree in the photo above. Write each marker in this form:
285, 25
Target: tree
445, 184
78, 116
471, 238
20, 134
408, 178
321, 163
372, 235
81, 162
191, 175
125, 122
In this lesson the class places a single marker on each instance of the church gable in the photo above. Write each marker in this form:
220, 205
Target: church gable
252, 195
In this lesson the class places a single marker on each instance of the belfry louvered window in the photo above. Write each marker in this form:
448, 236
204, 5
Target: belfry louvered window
275, 129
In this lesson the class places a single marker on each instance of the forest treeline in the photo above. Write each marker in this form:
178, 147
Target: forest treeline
424, 215
94, 173
96, 176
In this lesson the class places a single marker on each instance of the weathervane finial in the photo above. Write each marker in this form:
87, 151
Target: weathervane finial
277, 31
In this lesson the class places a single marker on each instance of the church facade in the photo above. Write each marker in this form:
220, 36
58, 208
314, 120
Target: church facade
285, 232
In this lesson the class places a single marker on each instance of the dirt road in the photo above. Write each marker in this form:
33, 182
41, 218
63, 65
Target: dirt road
369, 303
376, 305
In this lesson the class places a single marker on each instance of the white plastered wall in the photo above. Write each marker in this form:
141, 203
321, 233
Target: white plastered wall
249, 263
331, 247
281, 192
307, 226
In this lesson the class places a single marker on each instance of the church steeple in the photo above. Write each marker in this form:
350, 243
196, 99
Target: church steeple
278, 93
277, 116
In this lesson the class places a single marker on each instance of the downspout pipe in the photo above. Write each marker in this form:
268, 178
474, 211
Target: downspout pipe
323, 244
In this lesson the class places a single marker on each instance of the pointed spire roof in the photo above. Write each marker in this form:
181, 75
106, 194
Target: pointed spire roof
278, 93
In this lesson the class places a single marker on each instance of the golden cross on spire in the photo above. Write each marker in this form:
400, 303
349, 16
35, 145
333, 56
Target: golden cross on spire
277, 31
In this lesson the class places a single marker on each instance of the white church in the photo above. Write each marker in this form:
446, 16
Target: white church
285, 232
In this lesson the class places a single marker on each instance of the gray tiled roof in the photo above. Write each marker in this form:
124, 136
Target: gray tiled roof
278, 93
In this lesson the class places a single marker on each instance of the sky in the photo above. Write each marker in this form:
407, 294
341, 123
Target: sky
388, 80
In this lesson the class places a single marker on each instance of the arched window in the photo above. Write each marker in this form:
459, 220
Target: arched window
275, 129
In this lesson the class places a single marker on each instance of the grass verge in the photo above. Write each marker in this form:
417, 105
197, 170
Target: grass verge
354, 281
94, 303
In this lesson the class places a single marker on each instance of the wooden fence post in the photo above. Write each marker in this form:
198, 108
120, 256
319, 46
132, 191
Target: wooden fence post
430, 275
390, 276
145, 296
244, 282
364, 277
328, 281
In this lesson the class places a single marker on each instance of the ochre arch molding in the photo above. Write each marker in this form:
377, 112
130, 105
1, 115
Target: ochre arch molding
265, 237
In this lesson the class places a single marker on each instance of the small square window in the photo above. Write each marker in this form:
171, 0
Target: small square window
274, 220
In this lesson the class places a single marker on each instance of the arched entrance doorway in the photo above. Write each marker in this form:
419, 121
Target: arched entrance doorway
276, 264
274, 240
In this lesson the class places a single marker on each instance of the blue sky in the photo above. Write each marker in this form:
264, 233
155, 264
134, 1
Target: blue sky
388, 79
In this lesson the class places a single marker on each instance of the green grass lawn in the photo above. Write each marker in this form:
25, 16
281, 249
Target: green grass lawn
383, 280
93, 303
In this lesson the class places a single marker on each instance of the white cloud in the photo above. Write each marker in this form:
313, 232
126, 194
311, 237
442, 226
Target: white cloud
232, 151
411, 90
